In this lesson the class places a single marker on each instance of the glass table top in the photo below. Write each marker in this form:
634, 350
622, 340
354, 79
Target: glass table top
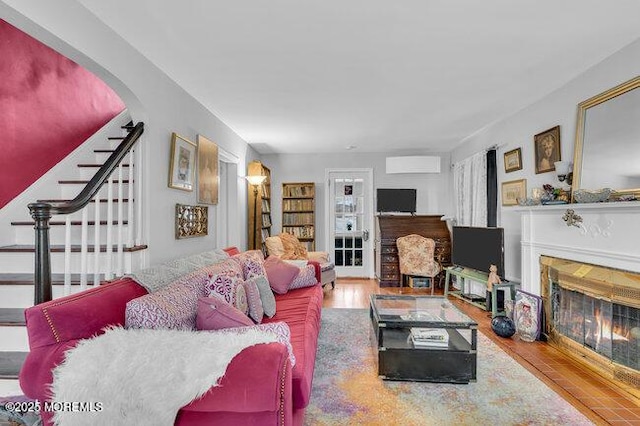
405, 310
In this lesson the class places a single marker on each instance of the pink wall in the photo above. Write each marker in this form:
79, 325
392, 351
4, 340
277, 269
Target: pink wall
49, 105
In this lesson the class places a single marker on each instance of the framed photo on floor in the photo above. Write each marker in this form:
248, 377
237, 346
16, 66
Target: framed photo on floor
182, 164
512, 190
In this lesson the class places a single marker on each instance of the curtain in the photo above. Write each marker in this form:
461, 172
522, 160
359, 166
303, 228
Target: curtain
470, 190
492, 188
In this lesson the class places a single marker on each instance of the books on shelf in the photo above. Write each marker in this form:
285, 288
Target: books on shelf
429, 337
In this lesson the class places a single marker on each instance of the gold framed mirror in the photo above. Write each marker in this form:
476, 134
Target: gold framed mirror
607, 147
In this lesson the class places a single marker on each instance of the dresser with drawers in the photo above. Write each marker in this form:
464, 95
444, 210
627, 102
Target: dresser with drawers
390, 227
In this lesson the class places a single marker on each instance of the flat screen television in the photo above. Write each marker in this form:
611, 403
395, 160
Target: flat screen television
478, 248
396, 200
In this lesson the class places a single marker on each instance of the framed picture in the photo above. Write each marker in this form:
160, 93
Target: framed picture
527, 315
182, 164
513, 160
208, 176
512, 190
547, 149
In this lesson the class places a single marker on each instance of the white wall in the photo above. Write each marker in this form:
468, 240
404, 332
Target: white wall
433, 190
150, 96
517, 130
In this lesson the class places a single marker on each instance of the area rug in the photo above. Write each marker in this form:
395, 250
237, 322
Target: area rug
347, 390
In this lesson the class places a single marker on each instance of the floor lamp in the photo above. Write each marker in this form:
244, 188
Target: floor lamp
255, 181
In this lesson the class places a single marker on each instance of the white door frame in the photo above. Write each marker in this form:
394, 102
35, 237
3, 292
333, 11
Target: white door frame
227, 218
368, 254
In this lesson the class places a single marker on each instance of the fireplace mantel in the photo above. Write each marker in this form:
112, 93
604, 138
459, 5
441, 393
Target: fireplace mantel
609, 235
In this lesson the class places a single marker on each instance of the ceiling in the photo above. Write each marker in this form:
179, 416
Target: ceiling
307, 76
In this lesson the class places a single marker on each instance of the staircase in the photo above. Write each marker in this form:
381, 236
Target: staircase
97, 243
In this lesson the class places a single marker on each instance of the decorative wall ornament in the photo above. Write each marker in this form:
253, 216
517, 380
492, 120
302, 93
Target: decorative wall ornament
595, 230
572, 219
513, 160
208, 176
191, 221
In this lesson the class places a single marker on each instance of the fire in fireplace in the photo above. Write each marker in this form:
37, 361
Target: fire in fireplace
610, 329
593, 314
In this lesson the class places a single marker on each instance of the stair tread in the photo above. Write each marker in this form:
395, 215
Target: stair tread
11, 316
11, 363
75, 248
24, 278
84, 182
102, 200
62, 223
97, 165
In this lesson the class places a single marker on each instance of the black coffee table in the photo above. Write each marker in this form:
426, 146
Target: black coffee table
451, 361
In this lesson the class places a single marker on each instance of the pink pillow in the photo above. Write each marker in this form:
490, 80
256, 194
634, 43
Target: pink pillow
280, 274
214, 314
252, 263
305, 278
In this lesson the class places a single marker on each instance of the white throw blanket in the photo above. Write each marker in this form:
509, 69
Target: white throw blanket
143, 377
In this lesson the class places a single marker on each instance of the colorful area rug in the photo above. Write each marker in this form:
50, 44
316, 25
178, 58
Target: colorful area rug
347, 390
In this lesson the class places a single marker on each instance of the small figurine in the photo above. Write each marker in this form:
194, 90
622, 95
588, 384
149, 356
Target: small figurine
493, 277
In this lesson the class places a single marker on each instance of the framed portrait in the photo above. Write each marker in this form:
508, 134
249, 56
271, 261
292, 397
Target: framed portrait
513, 160
208, 175
182, 164
547, 149
512, 190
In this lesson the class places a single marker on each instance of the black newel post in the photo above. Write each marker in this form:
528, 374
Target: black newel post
41, 213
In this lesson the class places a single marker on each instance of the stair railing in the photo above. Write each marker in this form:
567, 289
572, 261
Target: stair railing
42, 212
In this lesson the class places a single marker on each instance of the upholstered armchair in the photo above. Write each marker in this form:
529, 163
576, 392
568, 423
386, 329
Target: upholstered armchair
288, 247
416, 257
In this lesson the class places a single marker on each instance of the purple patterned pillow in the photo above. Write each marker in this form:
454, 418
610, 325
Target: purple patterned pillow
230, 288
215, 314
306, 278
279, 329
172, 307
252, 263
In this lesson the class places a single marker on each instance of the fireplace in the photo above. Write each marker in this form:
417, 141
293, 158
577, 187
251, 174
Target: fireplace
592, 313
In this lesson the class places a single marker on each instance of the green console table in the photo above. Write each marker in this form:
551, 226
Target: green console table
482, 277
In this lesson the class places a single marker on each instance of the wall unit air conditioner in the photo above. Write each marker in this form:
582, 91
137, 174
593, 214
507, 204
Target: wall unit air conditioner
413, 164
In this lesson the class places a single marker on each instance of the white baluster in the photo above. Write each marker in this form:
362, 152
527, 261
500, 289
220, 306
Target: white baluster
120, 261
67, 255
130, 194
108, 273
138, 194
96, 241
84, 249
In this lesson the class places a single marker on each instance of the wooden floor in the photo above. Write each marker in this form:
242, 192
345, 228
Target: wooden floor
585, 390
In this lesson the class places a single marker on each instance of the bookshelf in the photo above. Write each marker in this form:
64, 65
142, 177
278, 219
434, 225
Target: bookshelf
298, 212
260, 228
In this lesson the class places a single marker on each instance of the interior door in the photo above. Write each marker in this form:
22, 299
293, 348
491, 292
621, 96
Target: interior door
350, 217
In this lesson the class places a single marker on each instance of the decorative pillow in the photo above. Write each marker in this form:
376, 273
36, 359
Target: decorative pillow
252, 263
280, 274
306, 278
293, 248
256, 312
274, 246
172, 307
214, 314
279, 329
266, 295
230, 288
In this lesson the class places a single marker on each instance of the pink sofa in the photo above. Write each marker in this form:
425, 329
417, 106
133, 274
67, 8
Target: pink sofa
259, 388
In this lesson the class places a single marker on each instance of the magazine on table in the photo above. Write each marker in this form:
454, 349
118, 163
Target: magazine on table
429, 343
424, 334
